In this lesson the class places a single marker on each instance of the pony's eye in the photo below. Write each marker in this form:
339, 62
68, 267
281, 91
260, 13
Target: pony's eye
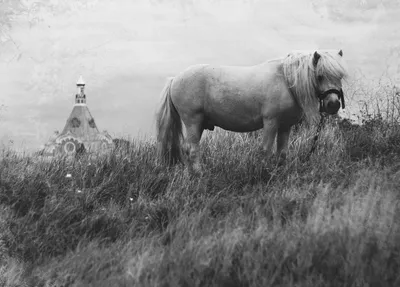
319, 78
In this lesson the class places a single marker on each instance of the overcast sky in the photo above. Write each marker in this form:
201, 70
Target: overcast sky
126, 49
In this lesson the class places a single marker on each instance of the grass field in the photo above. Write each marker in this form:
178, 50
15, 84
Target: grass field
122, 220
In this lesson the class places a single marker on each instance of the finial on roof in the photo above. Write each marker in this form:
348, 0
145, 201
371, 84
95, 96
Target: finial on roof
80, 81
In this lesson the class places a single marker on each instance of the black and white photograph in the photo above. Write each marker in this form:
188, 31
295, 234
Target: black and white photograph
232, 143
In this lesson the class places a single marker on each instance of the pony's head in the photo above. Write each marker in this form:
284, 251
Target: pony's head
329, 72
316, 78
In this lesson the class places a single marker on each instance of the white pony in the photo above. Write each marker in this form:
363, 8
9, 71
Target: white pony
272, 96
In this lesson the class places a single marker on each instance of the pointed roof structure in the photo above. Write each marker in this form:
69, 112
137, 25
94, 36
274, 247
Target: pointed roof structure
80, 81
80, 131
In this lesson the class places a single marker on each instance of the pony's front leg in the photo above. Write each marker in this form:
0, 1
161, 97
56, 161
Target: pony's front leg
282, 143
269, 134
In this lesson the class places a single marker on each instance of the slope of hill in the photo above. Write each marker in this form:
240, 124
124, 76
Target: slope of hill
123, 220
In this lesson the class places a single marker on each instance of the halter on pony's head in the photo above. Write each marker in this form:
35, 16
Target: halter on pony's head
322, 95
315, 75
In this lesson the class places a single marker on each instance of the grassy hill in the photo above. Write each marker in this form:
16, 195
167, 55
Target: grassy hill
123, 220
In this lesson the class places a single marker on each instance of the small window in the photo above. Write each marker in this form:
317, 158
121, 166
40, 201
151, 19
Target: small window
75, 122
92, 123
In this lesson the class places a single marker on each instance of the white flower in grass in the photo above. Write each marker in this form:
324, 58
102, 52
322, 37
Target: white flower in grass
78, 191
131, 199
68, 175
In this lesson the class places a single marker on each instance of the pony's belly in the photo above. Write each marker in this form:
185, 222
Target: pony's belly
234, 112
235, 124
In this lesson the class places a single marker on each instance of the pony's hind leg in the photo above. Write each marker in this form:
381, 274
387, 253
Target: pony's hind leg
282, 143
193, 137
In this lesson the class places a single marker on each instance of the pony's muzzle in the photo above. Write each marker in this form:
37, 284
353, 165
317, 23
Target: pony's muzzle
331, 100
331, 103
332, 106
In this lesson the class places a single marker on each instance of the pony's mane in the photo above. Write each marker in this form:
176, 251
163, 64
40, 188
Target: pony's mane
301, 76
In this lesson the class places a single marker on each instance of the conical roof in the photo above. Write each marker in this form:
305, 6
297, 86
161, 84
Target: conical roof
81, 124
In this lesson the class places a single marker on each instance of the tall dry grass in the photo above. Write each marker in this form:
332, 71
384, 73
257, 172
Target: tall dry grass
123, 220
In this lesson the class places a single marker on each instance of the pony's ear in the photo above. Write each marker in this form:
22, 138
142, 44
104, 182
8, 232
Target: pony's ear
316, 58
340, 53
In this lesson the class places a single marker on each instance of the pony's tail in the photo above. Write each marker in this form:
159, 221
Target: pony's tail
169, 129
